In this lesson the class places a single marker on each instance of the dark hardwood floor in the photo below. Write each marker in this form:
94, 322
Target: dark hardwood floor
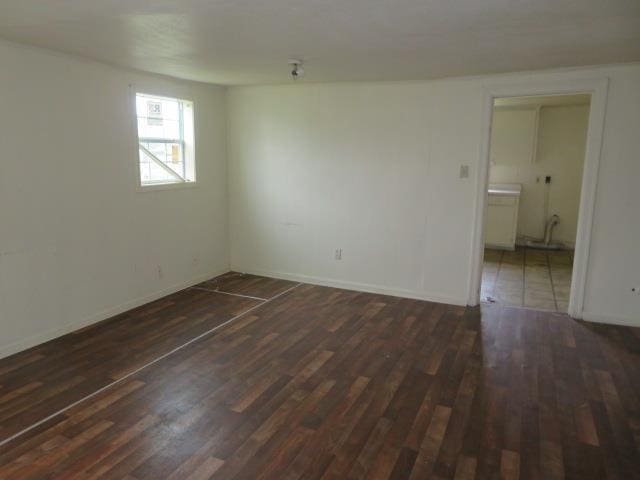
320, 383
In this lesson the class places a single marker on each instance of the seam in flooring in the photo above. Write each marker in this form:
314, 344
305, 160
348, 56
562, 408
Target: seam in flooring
495, 281
228, 293
524, 276
152, 362
553, 288
522, 307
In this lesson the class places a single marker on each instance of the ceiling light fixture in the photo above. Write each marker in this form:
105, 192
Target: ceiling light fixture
296, 68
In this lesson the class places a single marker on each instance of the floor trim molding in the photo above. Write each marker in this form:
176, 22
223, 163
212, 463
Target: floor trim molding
610, 320
360, 287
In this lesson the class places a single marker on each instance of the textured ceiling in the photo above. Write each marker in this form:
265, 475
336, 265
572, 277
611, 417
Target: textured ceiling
250, 41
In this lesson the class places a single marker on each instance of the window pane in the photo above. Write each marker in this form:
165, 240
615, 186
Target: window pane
165, 155
168, 129
158, 117
169, 154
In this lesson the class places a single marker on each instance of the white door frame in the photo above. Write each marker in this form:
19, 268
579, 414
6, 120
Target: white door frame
598, 90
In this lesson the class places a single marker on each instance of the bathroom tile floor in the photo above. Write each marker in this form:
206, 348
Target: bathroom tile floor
527, 277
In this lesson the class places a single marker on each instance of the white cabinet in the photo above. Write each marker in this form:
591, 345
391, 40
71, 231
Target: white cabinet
502, 216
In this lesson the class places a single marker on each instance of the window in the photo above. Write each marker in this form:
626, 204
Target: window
165, 140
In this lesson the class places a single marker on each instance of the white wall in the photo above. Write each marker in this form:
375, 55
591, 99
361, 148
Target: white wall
562, 135
562, 131
77, 241
362, 167
369, 168
373, 169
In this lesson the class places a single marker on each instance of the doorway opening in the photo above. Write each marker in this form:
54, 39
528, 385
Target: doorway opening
536, 161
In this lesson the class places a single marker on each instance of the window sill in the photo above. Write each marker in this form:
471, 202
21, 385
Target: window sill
165, 186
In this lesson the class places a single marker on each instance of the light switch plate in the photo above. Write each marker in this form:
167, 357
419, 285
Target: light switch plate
464, 171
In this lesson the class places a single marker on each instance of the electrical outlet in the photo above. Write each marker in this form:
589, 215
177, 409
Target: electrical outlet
160, 273
338, 255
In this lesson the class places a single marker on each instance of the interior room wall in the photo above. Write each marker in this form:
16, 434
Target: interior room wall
368, 168
78, 242
558, 152
365, 168
373, 169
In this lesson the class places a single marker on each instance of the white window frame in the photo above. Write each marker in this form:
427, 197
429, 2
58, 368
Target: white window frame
181, 181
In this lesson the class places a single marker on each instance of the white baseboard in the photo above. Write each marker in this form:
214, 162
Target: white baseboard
34, 340
568, 245
361, 287
501, 246
611, 320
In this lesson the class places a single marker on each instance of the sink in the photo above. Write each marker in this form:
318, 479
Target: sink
512, 189
501, 224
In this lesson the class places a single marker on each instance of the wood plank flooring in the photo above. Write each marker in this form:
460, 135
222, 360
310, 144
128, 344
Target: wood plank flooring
321, 383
